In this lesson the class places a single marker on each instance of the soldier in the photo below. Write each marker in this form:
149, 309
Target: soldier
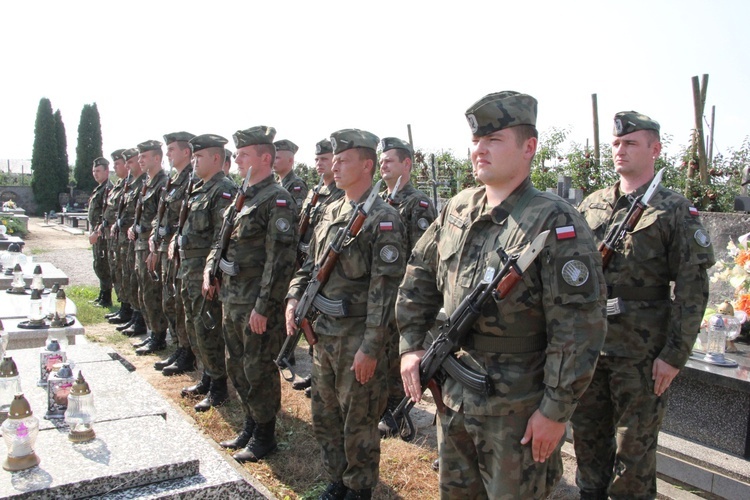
327, 194
227, 162
109, 219
149, 290
284, 168
348, 375
97, 202
260, 260
164, 229
417, 213
136, 325
207, 202
618, 418
538, 345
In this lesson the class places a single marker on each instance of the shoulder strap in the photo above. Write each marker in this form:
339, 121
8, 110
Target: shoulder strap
515, 215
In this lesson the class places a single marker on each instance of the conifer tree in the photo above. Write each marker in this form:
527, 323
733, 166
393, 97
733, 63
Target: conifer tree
89, 147
45, 159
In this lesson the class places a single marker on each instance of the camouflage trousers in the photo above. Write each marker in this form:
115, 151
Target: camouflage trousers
482, 457
615, 430
130, 271
171, 301
127, 273
101, 264
250, 361
393, 378
114, 267
149, 292
208, 345
345, 413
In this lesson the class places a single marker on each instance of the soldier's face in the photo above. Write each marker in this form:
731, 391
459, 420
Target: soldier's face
120, 169
633, 154
149, 161
348, 168
204, 163
391, 168
323, 164
100, 174
133, 166
284, 162
498, 159
246, 157
177, 156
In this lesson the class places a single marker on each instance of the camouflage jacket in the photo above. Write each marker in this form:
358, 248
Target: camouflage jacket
113, 201
164, 229
416, 210
131, 198
559, 303
263, 245
366, 275
296, 187
97, 202
206, 203
328, 194
669, 244
150, 204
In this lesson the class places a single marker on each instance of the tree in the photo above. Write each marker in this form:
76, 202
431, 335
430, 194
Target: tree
63, 168
89, 147
45, 158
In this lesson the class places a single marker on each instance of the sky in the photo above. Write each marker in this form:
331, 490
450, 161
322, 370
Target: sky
311, 68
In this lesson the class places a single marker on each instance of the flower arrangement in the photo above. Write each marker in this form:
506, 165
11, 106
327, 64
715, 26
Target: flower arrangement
9, 205
13, 225
736, 272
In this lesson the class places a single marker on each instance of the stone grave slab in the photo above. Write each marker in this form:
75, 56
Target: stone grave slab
10, 239
50, 275
17, 306
21, 338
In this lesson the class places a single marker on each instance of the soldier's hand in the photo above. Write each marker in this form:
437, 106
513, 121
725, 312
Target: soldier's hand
151, 246
662, 373
257, 322
363, 366
170, 250
112, 232
410, 374
291, 328
131, 234
207, 289
544, 434
93, 237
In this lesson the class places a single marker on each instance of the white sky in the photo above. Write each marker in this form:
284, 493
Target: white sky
312, 67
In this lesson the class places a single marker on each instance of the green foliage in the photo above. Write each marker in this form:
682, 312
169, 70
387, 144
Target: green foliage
307, 174
88, 314
89, 147
13, 179
44, 158
13, 226
62, 172
452, 174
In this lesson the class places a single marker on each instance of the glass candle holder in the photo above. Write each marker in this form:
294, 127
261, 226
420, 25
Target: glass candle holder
59, 385
10, 385
20, 431
80, 413
37, 280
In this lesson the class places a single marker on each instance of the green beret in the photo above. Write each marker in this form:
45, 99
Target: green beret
395, 143
178, 136
149, 146
117, 154
228, 154
101, 162
501, 110
254, 135
129, 153
323, 147
627, 122
349, 138
286, 145
205, 141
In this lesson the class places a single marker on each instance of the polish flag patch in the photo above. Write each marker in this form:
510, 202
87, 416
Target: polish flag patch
281, 203
297, 188
424, 204
226, 196
693, 211
565, 232
386, 226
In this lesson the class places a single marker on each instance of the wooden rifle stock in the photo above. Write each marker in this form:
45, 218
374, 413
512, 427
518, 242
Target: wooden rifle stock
607, 247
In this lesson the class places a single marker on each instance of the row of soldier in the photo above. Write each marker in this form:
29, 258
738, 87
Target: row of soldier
228, 261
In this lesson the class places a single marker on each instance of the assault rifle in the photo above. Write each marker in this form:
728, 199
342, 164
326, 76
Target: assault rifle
438, 360
105, 204
304, 222
184, 209
322, 271
617, 233
392, 194
139, 209
158, 234
121, 207
220, 264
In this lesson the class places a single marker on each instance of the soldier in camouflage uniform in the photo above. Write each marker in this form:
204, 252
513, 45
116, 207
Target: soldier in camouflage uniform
348, 376
417, 213
97, 202
538, 345
150, 158
327, 194
109, 219
178, 154
228, 155
284, 168
136, 325
618, 418
207, 202
257, 267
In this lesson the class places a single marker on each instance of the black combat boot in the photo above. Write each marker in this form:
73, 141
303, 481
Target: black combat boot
138, 327
185, 363
363, 494
198, 389
157, 342
335, 491
242, 438
303, 384
142, 342
113, 314
124, 316
388, 426
217, 396
131, 322
105, 298
97, 299
262, 443
160, 365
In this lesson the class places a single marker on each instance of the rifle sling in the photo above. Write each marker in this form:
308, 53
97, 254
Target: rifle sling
194, 253
506, 345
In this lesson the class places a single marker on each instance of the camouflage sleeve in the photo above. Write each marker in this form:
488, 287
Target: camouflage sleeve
281, 249
422, 216
573, 297
419, 299
214, 254
219, 204
387, 268
304, 274
690, 255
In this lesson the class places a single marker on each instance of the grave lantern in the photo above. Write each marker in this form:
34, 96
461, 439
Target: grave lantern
18, 285
12, 257
36, 314
10, 385
52, 353
80, 413
720, 326
52, 301
59, 385
37, 280
60, 301
3, 340
20, 431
